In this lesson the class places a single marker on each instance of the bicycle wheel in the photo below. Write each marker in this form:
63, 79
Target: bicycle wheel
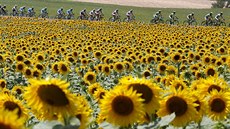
125, 20
176, 22
168, 21
185, 22
152, 21
222, 24
111, 19
203, 23
194, 23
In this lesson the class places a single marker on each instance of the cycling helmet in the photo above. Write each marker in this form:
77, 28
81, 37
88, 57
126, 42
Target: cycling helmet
100, 9
45, 8
159, 11
4, 6
71, 9
221, 13
210, 13
61, 8
174, 12
192, 13
131, 10
84, 9
116, 10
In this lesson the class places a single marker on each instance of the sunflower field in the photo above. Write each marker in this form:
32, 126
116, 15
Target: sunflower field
69, 74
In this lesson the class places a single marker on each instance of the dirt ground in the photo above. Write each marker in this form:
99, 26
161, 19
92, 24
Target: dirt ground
157, 3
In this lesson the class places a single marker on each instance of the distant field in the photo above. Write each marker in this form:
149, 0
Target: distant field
142, 14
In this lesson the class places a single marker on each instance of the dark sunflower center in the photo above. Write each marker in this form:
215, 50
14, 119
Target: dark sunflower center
79, 116
90, 77
1, 58
11, 106
106, 69
19, 91
177, 105
52, 95
36, 74
28, 72
102, 94
93, 90
63, 68
40, 58
3, 84
222, 50
56, 67
211, 72
40, 67
119, 66
122, 105
19, 58
214, 87
98, 54
207, 60
198, 103
146, 92
218, 105
147, 74
4, 126
176, 57
20, 67
162, 68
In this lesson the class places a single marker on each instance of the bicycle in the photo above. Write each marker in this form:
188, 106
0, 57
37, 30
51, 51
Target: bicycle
115, 19
32, 14
219, 23
60, 16
100, 17
172, 21
192, 22
131, 19
43, 15
81, 17
157, 21
14, 14
71, 16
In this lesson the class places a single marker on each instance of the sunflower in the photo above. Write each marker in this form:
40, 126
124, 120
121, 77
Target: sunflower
19, 57
149, 91
49, 97
90, 77
146, 74
20, 66
39, 66
9, 120
175, 57
2, 84
178, 84
119, 67
180, 103
36, 73
18, 90
218, 105
206, 60
55, 67
97, 54
122, 108
2, 58
93, 88
28, 72
212, 83
201, 105
40, 58
210, 71
10, 103
99, 94
171, 70
63, 68
106, 69
161, 68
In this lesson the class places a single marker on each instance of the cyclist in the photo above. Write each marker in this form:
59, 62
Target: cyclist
172, 17
99, 14
190, 18
115, 14
208, 18
92, 15
130, 15
60, 13
3, 10
31, 12
219, 17
69, 13
22, 10
83, 14
15, 10
157, 16
44, 12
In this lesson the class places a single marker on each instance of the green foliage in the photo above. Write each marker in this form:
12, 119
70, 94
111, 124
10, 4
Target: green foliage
219, 4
